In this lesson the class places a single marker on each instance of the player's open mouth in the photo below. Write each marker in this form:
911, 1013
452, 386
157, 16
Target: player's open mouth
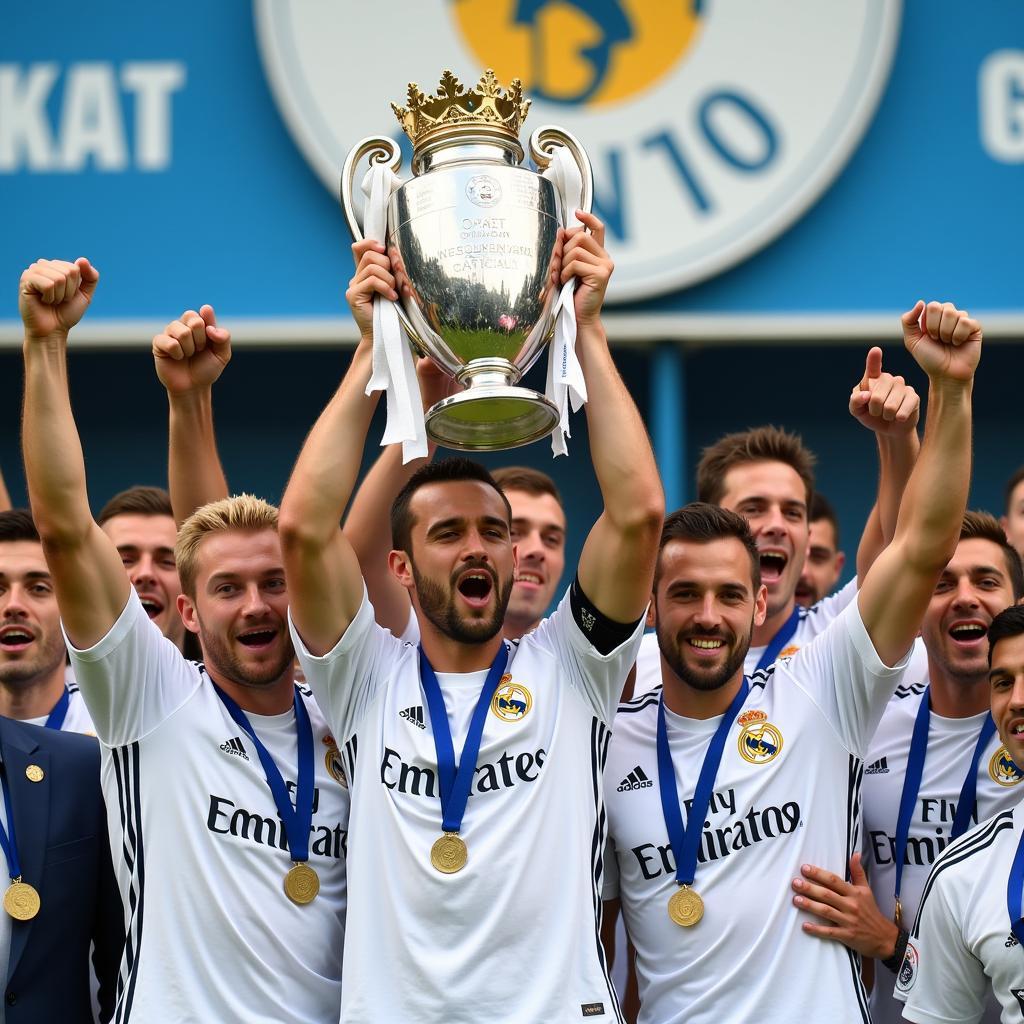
773, 564
705, 646
529, 579
1017, 729
804, 591
969, 634
15, 638
257, 639
475, 587
151, 605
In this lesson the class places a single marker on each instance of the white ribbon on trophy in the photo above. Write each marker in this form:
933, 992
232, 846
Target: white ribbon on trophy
565, 383
394, 366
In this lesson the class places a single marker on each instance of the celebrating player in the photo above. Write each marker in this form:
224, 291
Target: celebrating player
474, 762
225, 796
33, 683
767, 476
824, 563
935, 767
718, 783
968, 940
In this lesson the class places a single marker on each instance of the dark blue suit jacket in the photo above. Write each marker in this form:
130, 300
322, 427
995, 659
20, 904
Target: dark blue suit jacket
61, 829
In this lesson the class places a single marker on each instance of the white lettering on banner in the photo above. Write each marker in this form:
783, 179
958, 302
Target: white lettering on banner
91, 130
1001, 105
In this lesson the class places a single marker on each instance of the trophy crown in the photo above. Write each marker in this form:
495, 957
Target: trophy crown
454, 110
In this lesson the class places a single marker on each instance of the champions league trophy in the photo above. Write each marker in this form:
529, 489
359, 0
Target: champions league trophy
472, 237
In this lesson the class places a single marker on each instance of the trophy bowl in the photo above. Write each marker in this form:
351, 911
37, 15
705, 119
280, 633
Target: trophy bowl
473, 243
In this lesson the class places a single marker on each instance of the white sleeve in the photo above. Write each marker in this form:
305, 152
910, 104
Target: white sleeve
134, 678
348, 677
598, 678
411, 633
940, 980
841, 672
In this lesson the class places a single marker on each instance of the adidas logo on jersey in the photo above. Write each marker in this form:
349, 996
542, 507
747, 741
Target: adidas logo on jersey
636, 779
879, 767
414, 715
236, 747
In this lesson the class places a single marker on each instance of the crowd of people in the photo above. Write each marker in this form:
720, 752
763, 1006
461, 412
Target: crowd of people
358, 773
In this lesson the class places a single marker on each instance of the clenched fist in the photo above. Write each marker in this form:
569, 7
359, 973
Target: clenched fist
53, 296
191, 352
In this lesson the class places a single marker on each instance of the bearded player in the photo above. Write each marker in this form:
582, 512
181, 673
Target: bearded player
443, 858
718, 783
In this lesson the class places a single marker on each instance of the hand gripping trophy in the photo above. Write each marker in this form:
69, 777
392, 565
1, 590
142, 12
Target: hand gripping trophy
472, 238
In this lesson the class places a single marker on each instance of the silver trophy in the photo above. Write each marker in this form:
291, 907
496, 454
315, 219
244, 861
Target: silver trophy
472, 240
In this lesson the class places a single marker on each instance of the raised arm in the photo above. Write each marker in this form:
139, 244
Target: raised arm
617, 564
365, 525
5, 498
190, 355
325, 585
889, 407
946, 344
91, 584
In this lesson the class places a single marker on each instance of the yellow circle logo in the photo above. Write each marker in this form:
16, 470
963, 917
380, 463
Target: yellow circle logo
511, 701
760, 742
1003, 770
589, 54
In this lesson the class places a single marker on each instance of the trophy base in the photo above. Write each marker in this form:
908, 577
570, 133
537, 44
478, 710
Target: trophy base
490, 418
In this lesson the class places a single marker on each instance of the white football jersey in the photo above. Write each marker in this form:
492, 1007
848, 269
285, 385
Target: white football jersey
77, 718
962, 950
951, 743
514, 936
199, 849
787, 793
812, 621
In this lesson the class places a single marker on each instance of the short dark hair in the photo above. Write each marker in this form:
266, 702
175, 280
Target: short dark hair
759, 444
1008, 623
984, 526
141, 501
700, 522
444, 471
821, 508
16, 524
1011, 486
527, 480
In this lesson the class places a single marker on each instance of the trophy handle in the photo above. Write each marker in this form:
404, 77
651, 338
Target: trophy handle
380, 150
543, 143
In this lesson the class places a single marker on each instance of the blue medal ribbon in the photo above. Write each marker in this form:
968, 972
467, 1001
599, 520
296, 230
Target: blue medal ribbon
455, 781
297, 820
912, 785
60, 711
686, 841
1015, 892
781, 638
7, 838
969, 790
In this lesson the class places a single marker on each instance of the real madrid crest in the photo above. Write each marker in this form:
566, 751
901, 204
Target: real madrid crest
760, 741
511, 701
333, 762
1003, 770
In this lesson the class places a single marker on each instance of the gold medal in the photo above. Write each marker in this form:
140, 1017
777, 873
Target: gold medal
301, 884
449, 854
898, 914
685, 907
21, 901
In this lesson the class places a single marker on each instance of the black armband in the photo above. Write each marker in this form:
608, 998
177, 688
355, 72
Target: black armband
896, 960
604, 633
